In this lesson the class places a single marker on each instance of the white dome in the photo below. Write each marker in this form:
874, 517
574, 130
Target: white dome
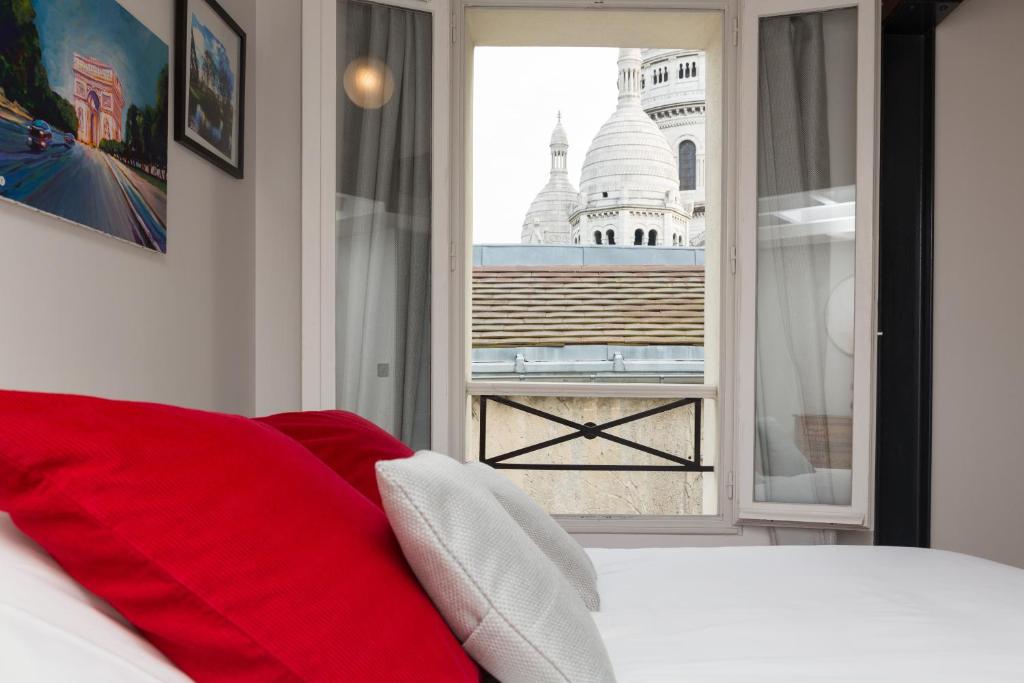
547, 220
629, 158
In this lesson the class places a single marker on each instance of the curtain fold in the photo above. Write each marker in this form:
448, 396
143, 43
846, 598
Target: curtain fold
384, 223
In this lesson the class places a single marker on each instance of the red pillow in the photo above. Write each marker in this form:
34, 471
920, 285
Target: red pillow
348, 444
227, 544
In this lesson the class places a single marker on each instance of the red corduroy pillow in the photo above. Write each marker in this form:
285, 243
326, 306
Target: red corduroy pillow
233, 549
348, 444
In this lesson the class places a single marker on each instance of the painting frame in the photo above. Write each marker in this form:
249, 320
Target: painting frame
185, 132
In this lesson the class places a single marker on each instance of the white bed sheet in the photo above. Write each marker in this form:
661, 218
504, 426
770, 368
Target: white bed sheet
52, 630
809, 613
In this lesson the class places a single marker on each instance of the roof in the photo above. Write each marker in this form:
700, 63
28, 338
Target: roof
563, 305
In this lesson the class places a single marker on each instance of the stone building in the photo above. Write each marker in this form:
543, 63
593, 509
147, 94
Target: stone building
642, 181
547, 221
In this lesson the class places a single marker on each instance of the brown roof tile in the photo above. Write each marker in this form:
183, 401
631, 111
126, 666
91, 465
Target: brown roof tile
561, 305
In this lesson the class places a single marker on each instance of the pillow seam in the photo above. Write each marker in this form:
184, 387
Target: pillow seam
492, 607
102, 524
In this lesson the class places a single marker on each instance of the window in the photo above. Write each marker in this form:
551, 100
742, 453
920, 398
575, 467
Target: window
593, 379
687, 165
381, 348
806, 234
560, 363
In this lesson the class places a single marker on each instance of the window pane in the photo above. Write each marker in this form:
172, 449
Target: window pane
586, 455
383, 217
805, 257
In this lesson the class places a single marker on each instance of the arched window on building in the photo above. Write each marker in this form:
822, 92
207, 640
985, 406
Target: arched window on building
610, 234
687, 70
687, 165
638, 237
652, 238
597, 237
693, 71
680, 70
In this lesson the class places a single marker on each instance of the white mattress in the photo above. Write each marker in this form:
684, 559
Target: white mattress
809, 613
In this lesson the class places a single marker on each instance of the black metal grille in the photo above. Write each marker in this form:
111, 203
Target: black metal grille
590, 430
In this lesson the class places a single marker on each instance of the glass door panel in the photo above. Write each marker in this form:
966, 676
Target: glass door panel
383, 216
807, 205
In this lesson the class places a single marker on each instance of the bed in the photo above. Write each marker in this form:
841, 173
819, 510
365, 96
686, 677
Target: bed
695, 614
809, 613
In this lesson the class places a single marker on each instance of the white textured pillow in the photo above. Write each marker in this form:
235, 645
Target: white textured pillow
509, 605
550, 537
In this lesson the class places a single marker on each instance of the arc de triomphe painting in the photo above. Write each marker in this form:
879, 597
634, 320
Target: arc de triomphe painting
99, 101
84, 117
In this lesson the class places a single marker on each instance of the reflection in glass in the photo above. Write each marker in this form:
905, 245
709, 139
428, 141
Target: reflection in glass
383, 217
805, 257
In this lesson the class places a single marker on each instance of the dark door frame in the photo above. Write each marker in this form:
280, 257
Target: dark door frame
905, 271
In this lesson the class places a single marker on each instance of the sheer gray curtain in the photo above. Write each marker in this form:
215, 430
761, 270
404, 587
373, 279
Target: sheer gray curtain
384, 222
800, 384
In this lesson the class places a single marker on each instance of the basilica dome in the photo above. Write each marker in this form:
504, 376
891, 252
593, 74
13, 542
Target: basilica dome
629, 160
547, 220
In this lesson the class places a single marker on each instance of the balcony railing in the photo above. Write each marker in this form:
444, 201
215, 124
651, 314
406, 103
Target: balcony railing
590, 430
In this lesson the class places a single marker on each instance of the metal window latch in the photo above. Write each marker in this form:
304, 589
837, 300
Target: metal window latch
730, 485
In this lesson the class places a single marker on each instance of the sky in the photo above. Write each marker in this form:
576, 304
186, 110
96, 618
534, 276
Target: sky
103, 30
517, 94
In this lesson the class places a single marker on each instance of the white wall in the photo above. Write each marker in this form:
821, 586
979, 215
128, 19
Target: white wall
277, 154
84, 313
978, 426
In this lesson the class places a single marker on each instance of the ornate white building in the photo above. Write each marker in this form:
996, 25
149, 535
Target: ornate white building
642, 178
547, 221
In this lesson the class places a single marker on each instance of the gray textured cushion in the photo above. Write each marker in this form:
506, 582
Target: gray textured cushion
509, 605
550, 537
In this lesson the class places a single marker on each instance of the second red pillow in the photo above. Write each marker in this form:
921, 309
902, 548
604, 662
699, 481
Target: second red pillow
347, 443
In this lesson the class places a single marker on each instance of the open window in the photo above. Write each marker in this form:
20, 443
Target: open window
620, 349
594, 318
806, 251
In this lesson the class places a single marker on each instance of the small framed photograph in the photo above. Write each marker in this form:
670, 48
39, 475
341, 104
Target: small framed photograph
209, 80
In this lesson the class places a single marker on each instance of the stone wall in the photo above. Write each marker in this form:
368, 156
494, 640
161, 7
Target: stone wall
597, 492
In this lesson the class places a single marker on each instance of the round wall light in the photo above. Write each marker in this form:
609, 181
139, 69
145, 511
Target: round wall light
368, 82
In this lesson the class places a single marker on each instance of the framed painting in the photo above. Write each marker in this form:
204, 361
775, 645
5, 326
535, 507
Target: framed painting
209, 65
83, 116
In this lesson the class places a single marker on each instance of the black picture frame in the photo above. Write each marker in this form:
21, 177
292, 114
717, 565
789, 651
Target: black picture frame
182, 37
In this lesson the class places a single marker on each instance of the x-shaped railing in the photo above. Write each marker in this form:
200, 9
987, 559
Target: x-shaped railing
590, 430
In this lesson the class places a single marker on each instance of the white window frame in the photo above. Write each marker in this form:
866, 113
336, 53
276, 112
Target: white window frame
464, 388
858, 513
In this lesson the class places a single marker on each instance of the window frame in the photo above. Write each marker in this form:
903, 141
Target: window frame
464, 387
858, 514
